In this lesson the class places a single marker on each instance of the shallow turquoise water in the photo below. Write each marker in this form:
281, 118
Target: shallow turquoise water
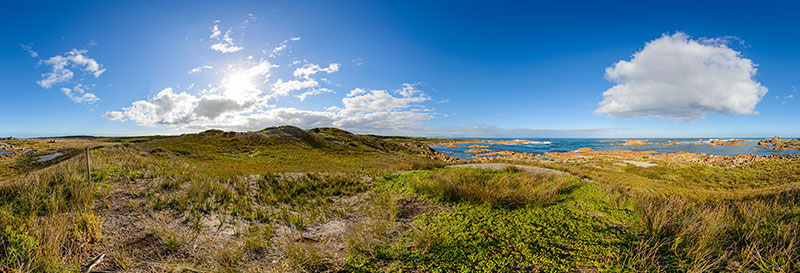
544, 145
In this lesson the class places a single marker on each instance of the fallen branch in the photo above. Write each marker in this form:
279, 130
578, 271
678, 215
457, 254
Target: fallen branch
95, 262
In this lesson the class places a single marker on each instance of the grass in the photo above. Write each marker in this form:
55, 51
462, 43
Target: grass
509, 189
285, 199
564, 225
54, 220
759, 233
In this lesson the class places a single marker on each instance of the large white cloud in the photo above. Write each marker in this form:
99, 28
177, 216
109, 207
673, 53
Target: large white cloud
370, 111
240, 91
683, 79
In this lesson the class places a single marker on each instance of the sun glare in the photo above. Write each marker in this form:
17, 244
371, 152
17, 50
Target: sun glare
239, 85
239, 82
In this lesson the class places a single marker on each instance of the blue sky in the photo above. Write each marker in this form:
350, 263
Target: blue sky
503, 69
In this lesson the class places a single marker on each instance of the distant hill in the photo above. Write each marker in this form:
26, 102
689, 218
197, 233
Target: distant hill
283, 141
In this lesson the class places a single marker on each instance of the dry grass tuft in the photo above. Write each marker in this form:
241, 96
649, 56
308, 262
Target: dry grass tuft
506, 188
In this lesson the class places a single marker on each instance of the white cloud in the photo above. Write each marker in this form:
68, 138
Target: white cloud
215, 32
30, 51
356, 92
283, 88
61, 65
307, 70
78, 94
789, 97
312, 92
378, 101
200, 68
224, 43
240, 91
279, 48
366, 111
114, 115
283, 45
683, 79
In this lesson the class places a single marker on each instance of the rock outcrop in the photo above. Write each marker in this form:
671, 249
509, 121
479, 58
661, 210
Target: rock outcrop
636, 142
778, 144
477, 151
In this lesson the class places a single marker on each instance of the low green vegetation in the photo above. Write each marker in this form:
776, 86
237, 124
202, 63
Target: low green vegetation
506, 220
290, 200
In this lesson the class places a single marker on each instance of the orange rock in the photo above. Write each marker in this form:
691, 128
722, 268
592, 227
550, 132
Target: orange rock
635, 142
478, 146
511, 142
506, 153
584, 150
477, 151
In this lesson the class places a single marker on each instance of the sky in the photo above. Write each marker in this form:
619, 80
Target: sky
516, 69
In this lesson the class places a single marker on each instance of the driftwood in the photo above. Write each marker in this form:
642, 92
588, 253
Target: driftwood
95, 263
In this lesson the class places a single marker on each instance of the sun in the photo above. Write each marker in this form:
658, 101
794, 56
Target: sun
239, 82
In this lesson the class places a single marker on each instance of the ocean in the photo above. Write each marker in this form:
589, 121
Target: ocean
544, 145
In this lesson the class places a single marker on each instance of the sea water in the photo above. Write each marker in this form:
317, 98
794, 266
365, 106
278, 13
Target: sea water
544, 145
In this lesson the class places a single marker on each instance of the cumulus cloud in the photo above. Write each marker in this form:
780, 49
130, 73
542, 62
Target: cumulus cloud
241, 91
283, 88
683, 79
223, 42
62, 73
114, 115
61, 64
312, 92
362, 110
304, 81
78, 94
307, 70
